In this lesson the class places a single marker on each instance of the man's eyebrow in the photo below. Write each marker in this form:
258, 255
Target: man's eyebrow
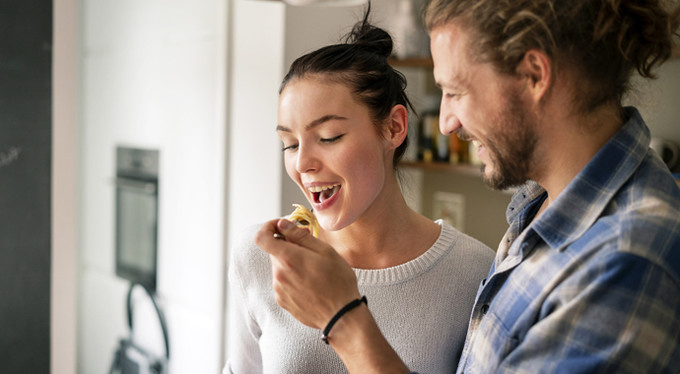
455, 81
316, 122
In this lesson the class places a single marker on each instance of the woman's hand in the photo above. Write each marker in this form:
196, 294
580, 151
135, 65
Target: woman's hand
311, 281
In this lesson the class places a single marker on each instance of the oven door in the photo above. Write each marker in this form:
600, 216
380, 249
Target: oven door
136, 230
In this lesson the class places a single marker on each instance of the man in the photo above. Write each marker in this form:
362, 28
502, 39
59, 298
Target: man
587, 277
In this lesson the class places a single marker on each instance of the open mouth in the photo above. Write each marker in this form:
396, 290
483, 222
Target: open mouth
323, 193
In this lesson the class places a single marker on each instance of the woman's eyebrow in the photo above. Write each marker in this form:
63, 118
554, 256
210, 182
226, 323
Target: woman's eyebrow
321, 120
315, 123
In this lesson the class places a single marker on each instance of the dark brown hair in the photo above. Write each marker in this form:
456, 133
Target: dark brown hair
360, 62
604, 41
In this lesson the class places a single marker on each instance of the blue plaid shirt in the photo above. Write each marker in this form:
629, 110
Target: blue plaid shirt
593, 284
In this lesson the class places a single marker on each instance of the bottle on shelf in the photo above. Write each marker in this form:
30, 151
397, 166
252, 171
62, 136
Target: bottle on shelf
426, 144
441, 141
458, 153
436, 147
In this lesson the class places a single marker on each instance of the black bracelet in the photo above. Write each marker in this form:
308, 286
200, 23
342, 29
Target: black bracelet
353, 304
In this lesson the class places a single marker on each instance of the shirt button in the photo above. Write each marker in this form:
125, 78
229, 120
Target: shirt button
484, 309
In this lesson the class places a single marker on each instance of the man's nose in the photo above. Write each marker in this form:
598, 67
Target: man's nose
448, 121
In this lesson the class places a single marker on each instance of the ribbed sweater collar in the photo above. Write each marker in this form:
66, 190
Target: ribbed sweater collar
413, 268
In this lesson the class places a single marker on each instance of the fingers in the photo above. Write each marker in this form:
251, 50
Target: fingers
300, 236
267, 240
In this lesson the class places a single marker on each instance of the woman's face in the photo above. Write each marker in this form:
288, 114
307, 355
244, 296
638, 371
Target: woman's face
332, 149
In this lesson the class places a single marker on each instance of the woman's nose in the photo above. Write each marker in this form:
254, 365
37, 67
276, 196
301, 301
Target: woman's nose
306, 160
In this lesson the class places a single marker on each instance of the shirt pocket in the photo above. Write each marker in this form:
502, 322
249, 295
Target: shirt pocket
492, 344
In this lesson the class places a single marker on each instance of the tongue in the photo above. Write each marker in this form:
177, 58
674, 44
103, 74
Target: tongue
326, 194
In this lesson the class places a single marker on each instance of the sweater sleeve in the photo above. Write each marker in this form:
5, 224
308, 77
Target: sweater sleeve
243, 332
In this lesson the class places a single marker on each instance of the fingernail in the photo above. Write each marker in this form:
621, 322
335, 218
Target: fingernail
285, 224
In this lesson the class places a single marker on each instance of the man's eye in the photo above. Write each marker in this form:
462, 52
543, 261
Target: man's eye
333, 139
290, 147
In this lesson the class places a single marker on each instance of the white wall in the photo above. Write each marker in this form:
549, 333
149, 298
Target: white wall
64, 192
154, 76
256, 68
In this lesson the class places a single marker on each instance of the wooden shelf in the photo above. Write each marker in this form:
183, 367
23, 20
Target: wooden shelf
415, 62
467, 169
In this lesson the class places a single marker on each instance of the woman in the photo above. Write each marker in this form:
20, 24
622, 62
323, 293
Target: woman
343, 122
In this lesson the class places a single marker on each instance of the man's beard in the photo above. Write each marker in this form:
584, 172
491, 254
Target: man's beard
511, 149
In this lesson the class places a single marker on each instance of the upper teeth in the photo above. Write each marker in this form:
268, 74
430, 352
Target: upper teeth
321, 188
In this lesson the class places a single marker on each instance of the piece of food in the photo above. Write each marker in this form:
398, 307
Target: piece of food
304, 218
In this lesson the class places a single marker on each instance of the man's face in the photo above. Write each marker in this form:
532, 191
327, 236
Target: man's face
485, 107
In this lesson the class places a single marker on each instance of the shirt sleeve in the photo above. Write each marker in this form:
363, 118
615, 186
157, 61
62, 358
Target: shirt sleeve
243, 350
621, 315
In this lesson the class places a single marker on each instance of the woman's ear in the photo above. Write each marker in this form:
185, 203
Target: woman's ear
397, 128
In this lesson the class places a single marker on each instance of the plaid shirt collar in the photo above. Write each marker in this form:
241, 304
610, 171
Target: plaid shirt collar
585, 198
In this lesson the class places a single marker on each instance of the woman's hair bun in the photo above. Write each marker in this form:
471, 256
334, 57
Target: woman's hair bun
369, 37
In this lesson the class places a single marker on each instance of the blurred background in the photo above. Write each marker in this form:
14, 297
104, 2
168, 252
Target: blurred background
153, 122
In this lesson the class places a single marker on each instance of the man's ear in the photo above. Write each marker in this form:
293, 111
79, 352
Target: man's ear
397, 128
536, 67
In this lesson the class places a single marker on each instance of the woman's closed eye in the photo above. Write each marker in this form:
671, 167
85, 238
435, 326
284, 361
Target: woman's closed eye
332, 140
294, 147
290, 147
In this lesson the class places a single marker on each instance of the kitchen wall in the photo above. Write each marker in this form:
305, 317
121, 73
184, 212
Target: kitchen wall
153, 75
256, 69
64, 272
658, 101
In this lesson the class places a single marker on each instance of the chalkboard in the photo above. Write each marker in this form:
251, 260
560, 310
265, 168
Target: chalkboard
25, 190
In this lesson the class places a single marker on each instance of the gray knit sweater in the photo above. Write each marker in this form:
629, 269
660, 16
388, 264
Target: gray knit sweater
422, 308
